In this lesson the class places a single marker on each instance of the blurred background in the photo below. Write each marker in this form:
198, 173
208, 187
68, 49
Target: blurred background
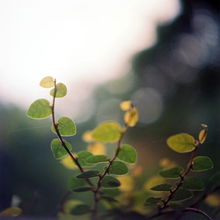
165, 58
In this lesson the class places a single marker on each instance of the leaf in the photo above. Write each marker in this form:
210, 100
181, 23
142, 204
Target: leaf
202, 163
127, 153
126, 105
83, 189
127, 183
47, 82
203, 135
75, 183
109, 199
153, 181
88, 174
193, 184
70, 204
12, 211
107, 132
181, 143
162, 187
110, 191
171, 173
181, 194
58, 150
118, 168
82, 158
97, 159
213, 200
96, 148
68, 163
131, 117
65, 126
61, 90
39, 109
80, 210
110, 181
152, 201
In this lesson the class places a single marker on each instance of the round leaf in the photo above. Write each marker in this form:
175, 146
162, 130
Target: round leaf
110, 181
75, 183
171, 173
162, 187
47, 82
88, 174
66, 127
131, 117
181, 194
39, 109
193, 184
82, 158
97, 159
118, 168
61, 90
107, 131
181, 143
127, 153
80, 210
152, 201
58, 150
202, 163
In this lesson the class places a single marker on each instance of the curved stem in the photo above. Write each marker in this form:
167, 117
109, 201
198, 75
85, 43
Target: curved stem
198, 211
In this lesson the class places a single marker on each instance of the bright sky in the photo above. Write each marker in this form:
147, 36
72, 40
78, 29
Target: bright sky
76, 41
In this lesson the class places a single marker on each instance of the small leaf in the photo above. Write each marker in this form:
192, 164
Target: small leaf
110, 191
75, 183
97, 159
80, 210
131, 117
107, 132
58, 150
96, 148
39, 109
118, 168
213, 200
12, 211
202, 163
126, 105
88, 174
68, 163
65, 126
152, 201
110, 181
109, 199
61, 90
47, 82
181, 143
127, 183
83, 189
181, 194
202, 135
162, 187
171, 173
193, 184
82, 158
127, 153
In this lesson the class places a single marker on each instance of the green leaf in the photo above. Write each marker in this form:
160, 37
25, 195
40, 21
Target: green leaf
75, 183
152, 201
109, 199
61, 90
181, 143
82, 158
110, 191
97, 159
202, 163
83, 189
58, 150
47, 82
65, 126
118, 168
80, 210
39, 109
162, 187
193, 184
88, 174
107, 131
181, 194
171, 173
110, 181
127, 153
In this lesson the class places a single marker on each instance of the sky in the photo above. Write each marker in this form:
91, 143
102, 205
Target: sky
80, 42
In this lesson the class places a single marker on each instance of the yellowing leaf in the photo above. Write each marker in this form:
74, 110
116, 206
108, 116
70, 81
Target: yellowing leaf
47, 82
131, 117
166, 163
153, 181
96, 148
127, 183
12, 211
213, 200
68, 163
87, 136
125, 105
202, 135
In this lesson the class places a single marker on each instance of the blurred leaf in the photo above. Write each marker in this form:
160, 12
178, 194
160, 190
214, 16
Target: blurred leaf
118, 168
193, 184
110, 191
153, 181
87, 136
80, 209
58, 150
181, 143
127, 153
75, 182
202, 163
96, 148
97, 159
107, 132
171, 173
131, 117
125, 105
110, 181
109, 199
88, 174
12, 211
65, 126
166, 163
68, 163
82, 158
162, 187
61, 90
152, 201
213, 200
181, 194
47, 82
127, 182
39, 109
83, 189
70, 204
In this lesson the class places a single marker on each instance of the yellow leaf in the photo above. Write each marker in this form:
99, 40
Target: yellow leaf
166, 163
47, 82
202, 135
87, 136
131, 117
68, 163
137, 171
12, 211
126, 105
213, 200
96, 148
153, 181
127, 183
